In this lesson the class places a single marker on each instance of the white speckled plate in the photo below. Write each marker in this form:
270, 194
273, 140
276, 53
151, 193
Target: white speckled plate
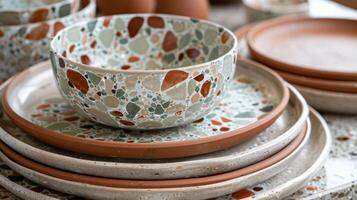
254, 101
273, 139
300, 170
188, 192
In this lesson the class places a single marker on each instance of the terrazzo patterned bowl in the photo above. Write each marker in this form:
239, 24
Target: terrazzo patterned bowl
143, 71
24, 45
17, 12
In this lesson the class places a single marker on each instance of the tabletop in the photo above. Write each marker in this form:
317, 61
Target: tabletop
338, 178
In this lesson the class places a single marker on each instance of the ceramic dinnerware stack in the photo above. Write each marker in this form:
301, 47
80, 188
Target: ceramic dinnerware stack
26, 28
154, 106
317, 55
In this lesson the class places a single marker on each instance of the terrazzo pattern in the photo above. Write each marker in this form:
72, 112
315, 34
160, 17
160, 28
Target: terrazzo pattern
144, 99
23, 12
24, 45
54, 113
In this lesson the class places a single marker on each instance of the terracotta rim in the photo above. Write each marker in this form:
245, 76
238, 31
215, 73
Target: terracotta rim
126, 183
297, 69
148, 151
323, 84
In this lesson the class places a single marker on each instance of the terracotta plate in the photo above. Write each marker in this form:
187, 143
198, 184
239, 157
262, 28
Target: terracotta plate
293, 148
295, 176
318, 83
318, 47
34, 104
270, 141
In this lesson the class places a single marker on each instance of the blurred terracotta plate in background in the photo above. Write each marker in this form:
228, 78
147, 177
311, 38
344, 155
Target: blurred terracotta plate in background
317, 47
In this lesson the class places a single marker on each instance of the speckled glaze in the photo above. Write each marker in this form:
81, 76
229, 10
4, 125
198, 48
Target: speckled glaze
24, 45
144, 71
265, 144
197, 192
23, 12
295, 175
302, 170
51, 120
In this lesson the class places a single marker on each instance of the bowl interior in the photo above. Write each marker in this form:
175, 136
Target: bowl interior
7, 5
146, 42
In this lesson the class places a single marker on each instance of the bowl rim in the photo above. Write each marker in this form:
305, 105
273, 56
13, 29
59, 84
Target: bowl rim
233, 49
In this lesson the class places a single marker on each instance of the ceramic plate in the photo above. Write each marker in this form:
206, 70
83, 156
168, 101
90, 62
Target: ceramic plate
98, 188
256, 99
324, 84
334, 102
300, 170
329, 101
320, 47
264, 145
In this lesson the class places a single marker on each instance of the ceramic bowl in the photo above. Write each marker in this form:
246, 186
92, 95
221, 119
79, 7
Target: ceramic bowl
24, 45
143, 71
17, 12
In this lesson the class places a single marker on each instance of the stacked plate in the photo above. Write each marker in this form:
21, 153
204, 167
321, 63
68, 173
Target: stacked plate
283, 128
317, 55
251, 127
26, 28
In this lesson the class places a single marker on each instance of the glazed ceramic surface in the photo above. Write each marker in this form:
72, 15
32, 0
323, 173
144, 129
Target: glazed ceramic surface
265, 144
24, 45
263, 97
24, 12
301, 169
266, 9
144, 71
318, 83
160, 184
279, 42
328, 101
197, 192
